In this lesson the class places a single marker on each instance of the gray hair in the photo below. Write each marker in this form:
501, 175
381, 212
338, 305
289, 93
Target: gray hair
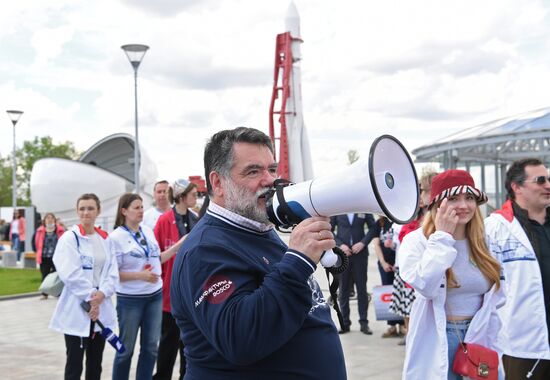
218, 153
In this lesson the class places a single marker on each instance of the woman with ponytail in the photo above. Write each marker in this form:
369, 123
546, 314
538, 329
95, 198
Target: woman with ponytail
455, 277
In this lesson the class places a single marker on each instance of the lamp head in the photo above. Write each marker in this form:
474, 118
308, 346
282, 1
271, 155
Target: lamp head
135, 53
14, 116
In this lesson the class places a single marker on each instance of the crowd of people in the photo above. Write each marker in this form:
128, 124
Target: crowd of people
14, 232
236, 302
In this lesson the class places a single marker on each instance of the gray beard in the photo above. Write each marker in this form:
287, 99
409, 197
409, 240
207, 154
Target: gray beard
244, 203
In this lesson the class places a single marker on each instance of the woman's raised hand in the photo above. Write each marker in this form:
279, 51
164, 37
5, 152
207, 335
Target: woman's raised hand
446, 218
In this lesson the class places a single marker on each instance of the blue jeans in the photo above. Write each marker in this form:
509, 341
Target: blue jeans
138, 313
15, 245
453, 343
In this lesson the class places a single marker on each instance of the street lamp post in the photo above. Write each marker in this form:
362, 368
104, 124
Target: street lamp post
135, 53
14, 116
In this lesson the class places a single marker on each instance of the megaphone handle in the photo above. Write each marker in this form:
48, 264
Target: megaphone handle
329, 259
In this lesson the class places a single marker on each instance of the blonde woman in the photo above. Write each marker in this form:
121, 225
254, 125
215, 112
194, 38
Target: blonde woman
456, 279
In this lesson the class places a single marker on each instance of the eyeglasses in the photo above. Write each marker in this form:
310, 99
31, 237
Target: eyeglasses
539, 180
141, 239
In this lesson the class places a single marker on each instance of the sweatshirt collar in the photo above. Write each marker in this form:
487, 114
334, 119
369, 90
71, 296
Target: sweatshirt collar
99, 231
220, 212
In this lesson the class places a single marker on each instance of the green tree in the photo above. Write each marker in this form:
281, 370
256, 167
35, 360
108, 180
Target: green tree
27, 155
5, 182
353, 156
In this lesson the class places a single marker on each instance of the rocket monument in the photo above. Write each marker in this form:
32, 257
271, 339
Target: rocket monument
291, 143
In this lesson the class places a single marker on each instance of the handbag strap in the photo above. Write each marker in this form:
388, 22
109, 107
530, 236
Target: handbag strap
457, 333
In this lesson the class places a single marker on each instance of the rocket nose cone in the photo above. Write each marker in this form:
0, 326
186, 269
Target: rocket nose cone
292, 12
292, 20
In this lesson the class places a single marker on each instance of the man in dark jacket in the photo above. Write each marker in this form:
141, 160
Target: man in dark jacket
350, 237
247, 305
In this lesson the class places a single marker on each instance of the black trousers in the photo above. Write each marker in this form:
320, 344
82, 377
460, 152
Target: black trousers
46, 267
169, 345
356, 271
76, 346
517, 368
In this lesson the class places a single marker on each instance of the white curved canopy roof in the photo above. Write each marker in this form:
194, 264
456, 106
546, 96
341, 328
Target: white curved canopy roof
106, 169
115, 153
499, 141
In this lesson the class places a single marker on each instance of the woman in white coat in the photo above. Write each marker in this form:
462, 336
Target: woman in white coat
457, 281
85, 261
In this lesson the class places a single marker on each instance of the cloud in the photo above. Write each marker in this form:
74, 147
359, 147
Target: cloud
420, 70
166, 8
208, 77
457, 60
48, 43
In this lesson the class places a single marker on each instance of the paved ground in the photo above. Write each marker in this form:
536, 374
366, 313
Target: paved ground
29, 351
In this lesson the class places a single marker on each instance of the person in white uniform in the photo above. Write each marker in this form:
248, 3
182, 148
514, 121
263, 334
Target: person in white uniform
139, 292
85, 261
519, 234
455, 277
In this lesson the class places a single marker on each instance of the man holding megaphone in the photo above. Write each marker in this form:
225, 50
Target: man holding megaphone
247, 304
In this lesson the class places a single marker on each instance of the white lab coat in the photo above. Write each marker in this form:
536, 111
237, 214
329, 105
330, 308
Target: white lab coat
423, 265
524, 331
69, 317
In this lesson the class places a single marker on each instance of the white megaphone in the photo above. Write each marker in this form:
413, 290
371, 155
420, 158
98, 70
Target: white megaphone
385, 184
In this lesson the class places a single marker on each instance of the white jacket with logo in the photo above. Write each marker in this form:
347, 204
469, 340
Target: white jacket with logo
69, 317
423, 265
524, 331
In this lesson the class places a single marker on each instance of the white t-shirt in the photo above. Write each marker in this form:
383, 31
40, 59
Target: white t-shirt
99, 256
151, 216
132, 256
15, 226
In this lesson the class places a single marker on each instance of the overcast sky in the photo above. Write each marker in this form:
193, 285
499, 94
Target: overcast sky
419, 70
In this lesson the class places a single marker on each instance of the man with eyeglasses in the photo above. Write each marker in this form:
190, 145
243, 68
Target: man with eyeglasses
519, 235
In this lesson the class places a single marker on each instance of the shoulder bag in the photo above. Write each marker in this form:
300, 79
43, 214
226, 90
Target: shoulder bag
52, 284
475, 361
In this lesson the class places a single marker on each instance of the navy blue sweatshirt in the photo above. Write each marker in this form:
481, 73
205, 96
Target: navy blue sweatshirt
249, 308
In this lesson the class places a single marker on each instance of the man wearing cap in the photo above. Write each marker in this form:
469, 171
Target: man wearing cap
247, 305
162, 204
519, 235
171, 229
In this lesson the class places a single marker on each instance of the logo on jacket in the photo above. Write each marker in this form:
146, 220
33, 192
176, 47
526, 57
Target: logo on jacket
511, 249
216, 290
317, 299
